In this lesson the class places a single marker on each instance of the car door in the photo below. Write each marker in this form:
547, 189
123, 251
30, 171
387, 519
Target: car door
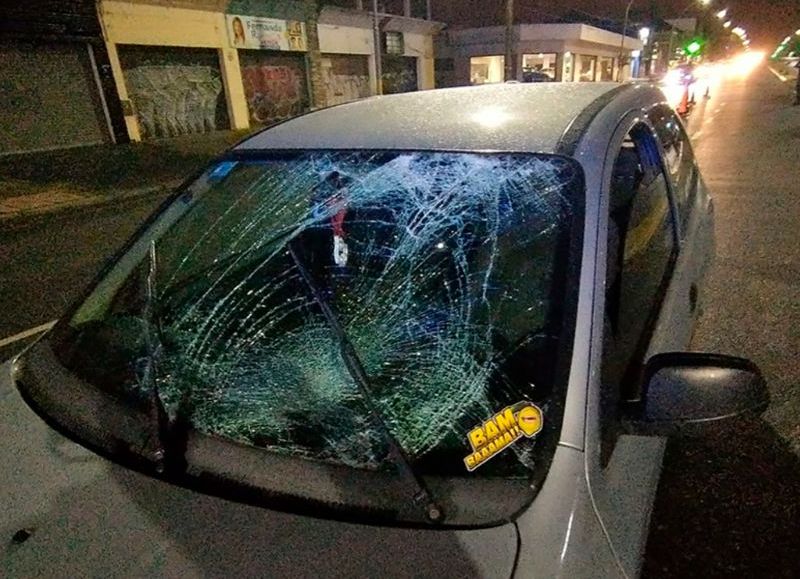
641, 252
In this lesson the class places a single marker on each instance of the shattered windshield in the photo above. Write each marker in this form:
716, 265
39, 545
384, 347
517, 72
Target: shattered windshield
446, 272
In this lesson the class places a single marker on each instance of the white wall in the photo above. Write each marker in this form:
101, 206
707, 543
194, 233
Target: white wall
345, 39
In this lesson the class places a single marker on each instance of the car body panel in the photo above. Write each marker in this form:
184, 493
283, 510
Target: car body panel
560, 534
91, 517
95, 517
509, 117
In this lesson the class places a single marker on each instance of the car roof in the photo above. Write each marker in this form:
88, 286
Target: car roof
501, 117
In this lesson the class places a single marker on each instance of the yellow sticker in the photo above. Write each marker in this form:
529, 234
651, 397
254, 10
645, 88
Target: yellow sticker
501, 431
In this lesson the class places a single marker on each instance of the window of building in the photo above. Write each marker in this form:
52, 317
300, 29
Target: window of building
419, 9
605, 71
586, 68
539, 67
486, 69
390, 6
393, 43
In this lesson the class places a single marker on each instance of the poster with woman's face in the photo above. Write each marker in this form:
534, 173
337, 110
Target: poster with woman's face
238, 35
265, 33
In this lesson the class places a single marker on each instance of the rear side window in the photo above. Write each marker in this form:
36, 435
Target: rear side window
678, 158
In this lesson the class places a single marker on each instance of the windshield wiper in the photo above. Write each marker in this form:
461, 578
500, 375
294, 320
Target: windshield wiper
423, 496
167, 454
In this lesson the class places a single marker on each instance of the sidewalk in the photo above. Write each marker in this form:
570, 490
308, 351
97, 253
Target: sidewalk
37, 183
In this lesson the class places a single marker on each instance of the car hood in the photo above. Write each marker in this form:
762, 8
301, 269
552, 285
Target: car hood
66, 511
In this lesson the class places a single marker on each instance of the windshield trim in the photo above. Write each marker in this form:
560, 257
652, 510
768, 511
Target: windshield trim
234, 490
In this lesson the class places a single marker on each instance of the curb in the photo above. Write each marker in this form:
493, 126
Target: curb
25, 218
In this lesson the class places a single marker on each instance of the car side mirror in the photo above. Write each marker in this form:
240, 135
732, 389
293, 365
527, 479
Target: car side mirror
685, 389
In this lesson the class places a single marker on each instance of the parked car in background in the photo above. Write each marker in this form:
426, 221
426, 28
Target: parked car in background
433, 334
534, 75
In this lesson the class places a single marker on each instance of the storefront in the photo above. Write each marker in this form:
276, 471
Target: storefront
346, 39
174, 70
346, 77
174, 90
56, 86
542, 53
273, 64
232, 64
50, 97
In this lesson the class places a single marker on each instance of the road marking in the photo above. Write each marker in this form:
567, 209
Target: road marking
26, 334
779, 75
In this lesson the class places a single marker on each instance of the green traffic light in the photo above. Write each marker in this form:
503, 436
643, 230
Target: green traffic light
693, 47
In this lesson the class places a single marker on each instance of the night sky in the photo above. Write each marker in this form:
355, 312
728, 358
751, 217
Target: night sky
767, 21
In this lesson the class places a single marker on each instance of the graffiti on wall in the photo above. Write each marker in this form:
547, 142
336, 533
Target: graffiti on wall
342, 88
399, 74
346, 78
273, 92
175, 100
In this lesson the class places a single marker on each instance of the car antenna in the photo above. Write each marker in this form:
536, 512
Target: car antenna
423, 496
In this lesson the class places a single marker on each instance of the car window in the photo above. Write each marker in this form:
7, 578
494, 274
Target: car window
446, 272
641, 249
678, 158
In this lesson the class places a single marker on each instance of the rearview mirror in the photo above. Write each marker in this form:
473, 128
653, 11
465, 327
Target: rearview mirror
683, 389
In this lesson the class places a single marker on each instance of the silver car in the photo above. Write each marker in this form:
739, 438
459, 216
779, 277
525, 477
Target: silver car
433, 334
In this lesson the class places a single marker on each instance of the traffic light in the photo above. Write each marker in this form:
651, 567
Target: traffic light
693, 48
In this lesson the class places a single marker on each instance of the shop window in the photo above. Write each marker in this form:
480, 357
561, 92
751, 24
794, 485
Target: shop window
539, 67
605, 72
586, 69
393, 43
486, 69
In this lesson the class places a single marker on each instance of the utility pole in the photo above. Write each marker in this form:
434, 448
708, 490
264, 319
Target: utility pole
509, 58
622, 42
376, 39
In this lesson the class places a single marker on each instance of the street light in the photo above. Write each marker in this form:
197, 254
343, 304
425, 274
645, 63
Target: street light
722, 14
728, 24
706, 2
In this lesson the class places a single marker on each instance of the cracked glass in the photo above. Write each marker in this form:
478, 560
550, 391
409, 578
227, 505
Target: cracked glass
446, 272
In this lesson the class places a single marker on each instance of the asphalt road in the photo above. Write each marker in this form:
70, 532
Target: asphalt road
728, 504
45, 264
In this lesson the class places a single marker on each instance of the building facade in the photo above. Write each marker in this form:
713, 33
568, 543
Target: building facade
542, 52
191, 66
55, 77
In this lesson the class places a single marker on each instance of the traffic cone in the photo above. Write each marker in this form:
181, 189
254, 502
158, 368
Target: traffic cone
683, 108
